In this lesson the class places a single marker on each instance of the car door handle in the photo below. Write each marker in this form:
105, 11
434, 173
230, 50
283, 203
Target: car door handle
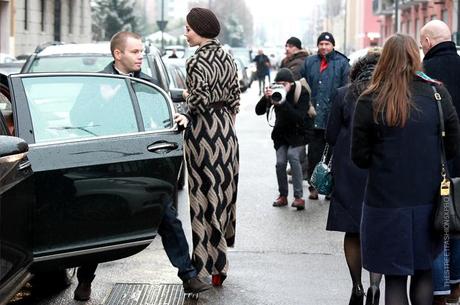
25, 164
162, 147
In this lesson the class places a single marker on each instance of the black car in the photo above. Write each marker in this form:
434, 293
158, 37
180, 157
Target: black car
104, 157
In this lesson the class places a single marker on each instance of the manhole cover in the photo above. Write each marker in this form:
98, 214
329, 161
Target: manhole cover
146, 294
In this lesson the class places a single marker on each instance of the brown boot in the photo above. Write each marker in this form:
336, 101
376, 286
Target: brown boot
298, 203
281, 201
83, 291
454, 294
313, 194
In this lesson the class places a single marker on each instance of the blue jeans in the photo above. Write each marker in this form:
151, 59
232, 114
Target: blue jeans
174, 242
292, 154
439, 285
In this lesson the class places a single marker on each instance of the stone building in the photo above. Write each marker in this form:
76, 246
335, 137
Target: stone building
25, 24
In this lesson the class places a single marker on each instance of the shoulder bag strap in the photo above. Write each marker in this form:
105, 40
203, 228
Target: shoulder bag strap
437, 97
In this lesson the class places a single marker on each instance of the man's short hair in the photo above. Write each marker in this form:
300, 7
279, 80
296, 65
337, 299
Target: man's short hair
118, 40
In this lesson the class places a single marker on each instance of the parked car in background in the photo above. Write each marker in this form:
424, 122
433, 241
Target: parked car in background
5, 58
104, 157
243, 78
11, 67
245, 56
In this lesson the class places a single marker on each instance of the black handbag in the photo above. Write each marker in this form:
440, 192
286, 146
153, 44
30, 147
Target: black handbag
447, 210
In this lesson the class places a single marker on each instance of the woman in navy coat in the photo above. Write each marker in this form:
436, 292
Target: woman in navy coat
396, 136
349, 180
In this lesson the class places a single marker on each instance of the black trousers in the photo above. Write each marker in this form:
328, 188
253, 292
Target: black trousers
315, 150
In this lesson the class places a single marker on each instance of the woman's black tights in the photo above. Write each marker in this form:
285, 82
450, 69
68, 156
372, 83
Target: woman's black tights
421, 289
352, 249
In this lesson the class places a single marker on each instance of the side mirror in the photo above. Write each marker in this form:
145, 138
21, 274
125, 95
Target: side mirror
176, 95
10, 146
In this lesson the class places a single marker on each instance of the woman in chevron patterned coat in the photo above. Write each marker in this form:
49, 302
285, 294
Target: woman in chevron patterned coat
211, 145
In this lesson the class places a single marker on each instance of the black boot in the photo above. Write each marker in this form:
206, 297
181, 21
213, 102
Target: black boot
195, 285
373, 296
83, 290
357, 295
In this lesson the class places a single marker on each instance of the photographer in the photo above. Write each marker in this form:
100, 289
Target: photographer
288, 134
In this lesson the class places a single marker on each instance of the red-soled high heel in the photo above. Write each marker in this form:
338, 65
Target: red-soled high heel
218, 279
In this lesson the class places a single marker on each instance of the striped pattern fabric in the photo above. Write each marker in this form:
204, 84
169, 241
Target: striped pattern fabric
211, 152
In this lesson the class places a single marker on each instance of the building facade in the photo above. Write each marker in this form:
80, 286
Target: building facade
413, 14
25, 24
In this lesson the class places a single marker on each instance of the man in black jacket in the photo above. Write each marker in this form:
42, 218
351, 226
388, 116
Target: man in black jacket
442, 62
288, 134
126, 48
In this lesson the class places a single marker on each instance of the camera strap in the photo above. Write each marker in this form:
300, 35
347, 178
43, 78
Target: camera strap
271, 117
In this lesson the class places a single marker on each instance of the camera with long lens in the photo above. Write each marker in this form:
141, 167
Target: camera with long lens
278, 94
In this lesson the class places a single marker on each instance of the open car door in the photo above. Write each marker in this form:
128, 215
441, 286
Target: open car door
105, 154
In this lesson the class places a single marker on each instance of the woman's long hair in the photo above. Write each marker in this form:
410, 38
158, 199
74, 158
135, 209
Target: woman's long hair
390, 83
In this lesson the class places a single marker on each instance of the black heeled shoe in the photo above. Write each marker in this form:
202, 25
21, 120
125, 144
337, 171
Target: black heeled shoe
357, 295
372, 296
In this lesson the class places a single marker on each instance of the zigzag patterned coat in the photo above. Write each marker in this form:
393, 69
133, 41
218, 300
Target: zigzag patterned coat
211, 152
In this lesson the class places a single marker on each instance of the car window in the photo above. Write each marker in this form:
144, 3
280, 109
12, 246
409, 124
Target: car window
73, 107
154, 106
80, 63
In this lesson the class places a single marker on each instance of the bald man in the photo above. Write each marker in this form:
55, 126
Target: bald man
442, 62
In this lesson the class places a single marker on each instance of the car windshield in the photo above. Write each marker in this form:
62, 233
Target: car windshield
77, 63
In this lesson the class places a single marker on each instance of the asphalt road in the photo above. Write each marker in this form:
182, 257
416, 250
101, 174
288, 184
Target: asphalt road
281, 256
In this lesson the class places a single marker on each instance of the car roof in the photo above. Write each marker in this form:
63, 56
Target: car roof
102, 48
77, 48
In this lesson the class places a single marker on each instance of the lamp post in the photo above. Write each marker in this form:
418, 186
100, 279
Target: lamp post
396, 15
162, 25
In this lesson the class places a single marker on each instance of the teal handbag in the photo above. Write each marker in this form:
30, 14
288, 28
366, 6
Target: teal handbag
321, 178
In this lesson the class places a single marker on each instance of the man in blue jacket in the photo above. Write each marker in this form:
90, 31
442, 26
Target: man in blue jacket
324, 72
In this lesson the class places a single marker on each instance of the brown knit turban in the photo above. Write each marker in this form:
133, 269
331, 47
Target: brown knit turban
203, 22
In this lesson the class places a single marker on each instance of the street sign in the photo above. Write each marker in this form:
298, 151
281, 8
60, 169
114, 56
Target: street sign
162, 24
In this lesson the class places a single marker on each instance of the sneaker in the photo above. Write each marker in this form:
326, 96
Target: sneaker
83, 291
298, 203
195, 285
281, 201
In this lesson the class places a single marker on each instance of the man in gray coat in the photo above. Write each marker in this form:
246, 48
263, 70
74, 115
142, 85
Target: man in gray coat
442, 63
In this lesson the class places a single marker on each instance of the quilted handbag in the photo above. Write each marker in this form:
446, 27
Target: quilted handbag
321, 178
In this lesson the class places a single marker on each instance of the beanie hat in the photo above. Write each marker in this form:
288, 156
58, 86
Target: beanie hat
204, 22
295, 42
284, 75
326, 36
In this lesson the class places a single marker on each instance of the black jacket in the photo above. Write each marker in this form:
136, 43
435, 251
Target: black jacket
443, 63
110, 69
291, 122
406, 160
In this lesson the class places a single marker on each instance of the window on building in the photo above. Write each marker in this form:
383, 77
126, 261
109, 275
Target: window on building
42, 14
445, 16
26, 14
70, 10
